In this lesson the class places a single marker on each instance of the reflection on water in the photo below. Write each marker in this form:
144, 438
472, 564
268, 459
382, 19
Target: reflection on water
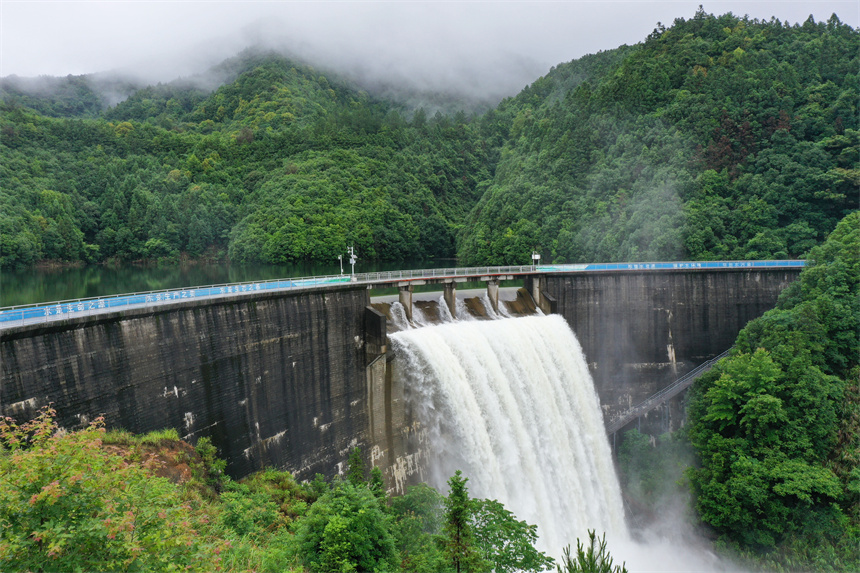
32, 285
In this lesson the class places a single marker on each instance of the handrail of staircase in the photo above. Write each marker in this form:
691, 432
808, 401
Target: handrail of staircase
663, 395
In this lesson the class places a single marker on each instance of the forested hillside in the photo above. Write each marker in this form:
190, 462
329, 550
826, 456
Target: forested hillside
776, 426
279, 165
718, 137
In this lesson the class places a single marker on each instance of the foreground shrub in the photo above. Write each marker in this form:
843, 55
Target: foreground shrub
346, 530
593, 558
66, 504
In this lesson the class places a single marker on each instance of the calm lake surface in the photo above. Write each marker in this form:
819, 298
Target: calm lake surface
28, 286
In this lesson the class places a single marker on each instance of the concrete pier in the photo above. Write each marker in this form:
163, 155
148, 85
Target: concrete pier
493, 294
451, 297
406, 300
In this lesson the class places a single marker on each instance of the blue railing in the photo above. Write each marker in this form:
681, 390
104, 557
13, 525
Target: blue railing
45, 312
671, 266
42, 312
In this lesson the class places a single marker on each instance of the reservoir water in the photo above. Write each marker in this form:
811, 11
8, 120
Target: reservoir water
34, 285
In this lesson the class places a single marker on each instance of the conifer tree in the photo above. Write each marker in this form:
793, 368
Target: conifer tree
457, 536
377, 484
355, 471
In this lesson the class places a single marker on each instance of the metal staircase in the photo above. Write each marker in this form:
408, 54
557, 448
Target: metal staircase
663, 395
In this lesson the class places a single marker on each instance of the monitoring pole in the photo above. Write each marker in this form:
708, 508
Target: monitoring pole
352, 259
535, 259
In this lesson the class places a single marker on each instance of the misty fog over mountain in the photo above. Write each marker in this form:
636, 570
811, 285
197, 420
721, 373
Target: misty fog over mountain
474, 52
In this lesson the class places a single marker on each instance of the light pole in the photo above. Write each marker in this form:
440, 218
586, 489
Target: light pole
340, 258
352, 258
535, 259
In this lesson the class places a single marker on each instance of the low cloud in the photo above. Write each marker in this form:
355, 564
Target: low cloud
484, 49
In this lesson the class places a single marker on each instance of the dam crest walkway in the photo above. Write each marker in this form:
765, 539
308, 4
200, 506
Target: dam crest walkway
60, 310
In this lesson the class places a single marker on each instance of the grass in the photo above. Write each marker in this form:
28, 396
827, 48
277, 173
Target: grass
126, 438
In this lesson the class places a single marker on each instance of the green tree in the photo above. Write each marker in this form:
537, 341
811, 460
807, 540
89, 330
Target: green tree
593, 558
355, 469
458, 538
212, 464
377, 484
281, 487
504, 541
346, 530
69, 504
248, 513
418, 516
651, 470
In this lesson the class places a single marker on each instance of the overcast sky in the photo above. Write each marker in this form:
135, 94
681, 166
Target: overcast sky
501, 46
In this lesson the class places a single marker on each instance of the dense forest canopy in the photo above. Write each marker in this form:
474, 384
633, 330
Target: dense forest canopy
279, 165
717, 137
776, 426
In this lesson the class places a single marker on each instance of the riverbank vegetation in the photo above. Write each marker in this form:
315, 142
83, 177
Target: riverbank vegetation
716, 137
773, 432
775, 425
93, 500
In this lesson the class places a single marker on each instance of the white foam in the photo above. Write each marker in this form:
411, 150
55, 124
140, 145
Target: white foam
511, 403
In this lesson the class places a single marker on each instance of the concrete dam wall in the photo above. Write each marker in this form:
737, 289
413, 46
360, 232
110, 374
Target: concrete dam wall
640, 331
296, 379
274, 379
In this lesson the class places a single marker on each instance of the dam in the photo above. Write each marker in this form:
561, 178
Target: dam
296, 376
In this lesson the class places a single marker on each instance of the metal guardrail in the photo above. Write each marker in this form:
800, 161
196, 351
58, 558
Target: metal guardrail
663, 395
46, 312
42, 312
476, 272
680, 265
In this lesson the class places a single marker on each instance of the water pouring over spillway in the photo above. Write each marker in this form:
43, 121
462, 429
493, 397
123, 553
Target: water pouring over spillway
511, 403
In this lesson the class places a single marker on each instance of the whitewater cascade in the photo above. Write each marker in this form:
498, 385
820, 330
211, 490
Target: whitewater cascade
511, 403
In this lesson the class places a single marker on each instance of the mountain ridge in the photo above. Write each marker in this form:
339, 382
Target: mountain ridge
717, 137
